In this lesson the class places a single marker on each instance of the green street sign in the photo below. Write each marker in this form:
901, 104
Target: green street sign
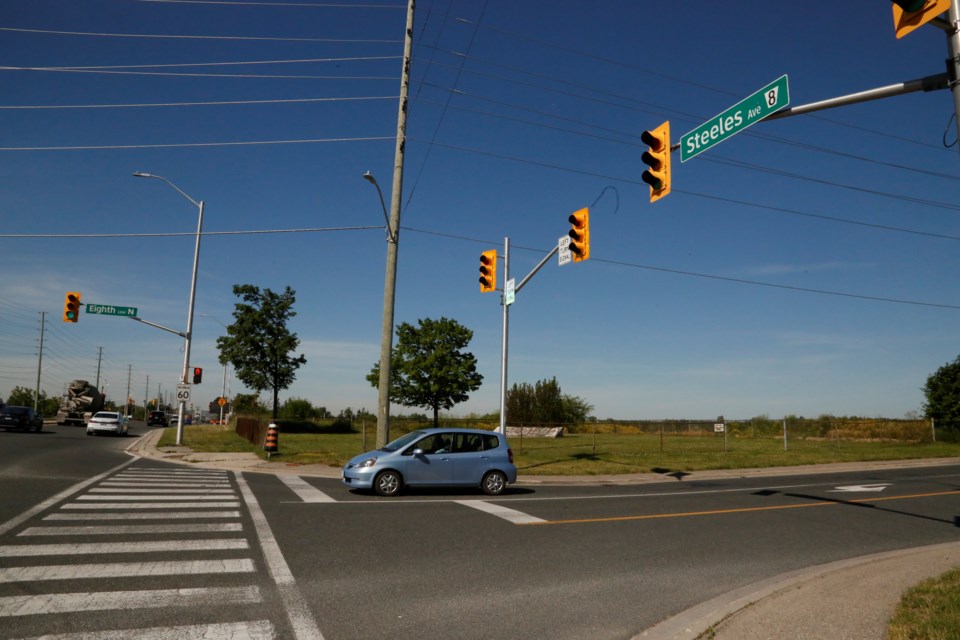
110, 310
748, 111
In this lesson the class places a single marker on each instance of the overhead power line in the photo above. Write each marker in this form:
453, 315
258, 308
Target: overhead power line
181, 145
171, 36
195, 104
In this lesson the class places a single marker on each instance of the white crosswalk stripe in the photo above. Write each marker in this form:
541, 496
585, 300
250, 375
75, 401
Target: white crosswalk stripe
162, 512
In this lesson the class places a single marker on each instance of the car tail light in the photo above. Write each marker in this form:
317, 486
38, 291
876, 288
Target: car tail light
510, 455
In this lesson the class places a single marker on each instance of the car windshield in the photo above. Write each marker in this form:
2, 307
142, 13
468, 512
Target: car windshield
403, 441
107, 415
15, 411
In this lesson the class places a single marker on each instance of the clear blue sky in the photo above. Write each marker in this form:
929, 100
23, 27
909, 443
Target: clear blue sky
764, 284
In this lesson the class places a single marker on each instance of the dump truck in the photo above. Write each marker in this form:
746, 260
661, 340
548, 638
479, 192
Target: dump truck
79, 403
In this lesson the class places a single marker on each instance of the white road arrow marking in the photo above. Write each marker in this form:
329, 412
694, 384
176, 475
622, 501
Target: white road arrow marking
853, 488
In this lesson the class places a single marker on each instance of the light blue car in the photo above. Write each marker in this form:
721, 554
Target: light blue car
435, 457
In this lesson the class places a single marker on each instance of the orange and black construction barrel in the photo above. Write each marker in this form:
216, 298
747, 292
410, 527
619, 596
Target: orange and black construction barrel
270, 445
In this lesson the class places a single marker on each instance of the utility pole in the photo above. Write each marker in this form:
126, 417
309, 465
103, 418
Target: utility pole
99, 360
36, 393
126, 410
505, 338
390, 282
146, 399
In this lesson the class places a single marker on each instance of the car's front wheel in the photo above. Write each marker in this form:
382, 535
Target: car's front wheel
388, 483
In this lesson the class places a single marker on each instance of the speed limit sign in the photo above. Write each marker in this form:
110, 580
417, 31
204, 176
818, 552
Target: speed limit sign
183, 392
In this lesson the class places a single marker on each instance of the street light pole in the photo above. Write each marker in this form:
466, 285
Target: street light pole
393, 229
193, 294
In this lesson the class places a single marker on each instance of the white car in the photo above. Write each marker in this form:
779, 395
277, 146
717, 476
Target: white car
174, 420
107, 422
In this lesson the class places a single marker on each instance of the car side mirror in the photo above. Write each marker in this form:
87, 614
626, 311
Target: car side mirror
418, 452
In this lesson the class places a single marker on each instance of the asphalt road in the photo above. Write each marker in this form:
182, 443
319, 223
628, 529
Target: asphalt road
583, 562
179, 549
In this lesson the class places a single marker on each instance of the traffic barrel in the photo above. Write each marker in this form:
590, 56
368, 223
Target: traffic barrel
270, 445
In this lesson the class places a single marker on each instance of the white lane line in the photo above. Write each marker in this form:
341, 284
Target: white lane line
192, 496
174, 472
298, 613
28, 605
510, 515
147, 546
173, 485
256, 630
66, 493
153, 505
304, 490
125, 570
132, 529
151, 490
165, 515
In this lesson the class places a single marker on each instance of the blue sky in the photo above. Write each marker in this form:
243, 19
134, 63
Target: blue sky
763, 284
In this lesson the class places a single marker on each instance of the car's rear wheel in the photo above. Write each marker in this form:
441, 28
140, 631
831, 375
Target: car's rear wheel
388, 483
493, 483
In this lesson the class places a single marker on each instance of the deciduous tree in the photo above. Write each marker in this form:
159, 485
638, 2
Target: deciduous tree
428, 367
258, 344
942, 393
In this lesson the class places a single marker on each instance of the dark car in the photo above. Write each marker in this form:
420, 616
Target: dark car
20, 418
157, 418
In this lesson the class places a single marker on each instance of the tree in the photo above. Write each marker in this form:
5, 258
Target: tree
258, 343
544, 403
942, 392
298, 409
428, 367
247, 404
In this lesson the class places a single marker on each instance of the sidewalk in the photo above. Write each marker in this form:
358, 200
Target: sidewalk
847, 600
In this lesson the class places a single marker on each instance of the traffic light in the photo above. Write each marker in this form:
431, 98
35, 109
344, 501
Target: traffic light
580, 234
658, 160
197, 375
71, 306
911, 14
488, 271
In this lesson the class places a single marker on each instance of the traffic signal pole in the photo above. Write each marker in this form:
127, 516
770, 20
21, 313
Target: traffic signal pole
505, 338
953, 63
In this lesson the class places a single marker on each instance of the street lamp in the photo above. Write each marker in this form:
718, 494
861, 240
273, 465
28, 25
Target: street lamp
386, 333
193, 295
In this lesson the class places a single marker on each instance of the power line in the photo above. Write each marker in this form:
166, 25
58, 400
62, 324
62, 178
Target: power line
195, 104
185, 233
198, 37
184, 145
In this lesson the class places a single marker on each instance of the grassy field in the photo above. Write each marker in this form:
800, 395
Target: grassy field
588, 454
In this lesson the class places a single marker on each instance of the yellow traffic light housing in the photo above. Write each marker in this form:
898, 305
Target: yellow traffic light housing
71, 306
657, 158
580, 234
488, 271
911, 14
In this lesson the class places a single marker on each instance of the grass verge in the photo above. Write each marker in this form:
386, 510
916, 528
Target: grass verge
930, 610
585, 454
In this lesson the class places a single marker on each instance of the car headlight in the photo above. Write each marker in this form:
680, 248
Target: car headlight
369, 462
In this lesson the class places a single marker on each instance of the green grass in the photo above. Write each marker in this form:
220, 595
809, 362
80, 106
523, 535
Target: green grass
930, 610
585, 454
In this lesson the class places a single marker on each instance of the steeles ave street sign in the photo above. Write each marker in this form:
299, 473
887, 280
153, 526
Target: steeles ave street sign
748, 111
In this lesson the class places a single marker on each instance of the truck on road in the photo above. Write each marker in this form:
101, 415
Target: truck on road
79, 403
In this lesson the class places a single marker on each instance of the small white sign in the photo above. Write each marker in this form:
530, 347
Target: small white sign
183, 392
510, 291
564, 256
718, 427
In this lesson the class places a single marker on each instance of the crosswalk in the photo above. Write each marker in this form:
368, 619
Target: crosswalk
160, 553
178, 540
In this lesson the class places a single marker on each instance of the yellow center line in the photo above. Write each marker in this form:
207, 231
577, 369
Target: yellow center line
829, 502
